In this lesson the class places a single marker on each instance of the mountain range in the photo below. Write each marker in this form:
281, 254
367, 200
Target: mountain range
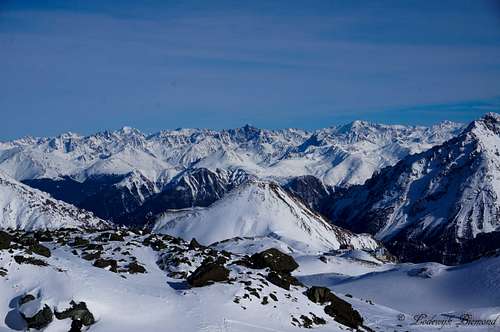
427, 193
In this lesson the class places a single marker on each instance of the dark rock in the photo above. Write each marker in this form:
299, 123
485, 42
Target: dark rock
283, 280
320, 294
45, 236
27, 240
5, 240
271, 295
135, 268
76, 326
116, 237
194, 244
104, 263
29, 260
339, 309
26, 298
91, 256
306, 321
318, 320
40, 250
343, 313
208, 273
275, 260
40, 320
80, 242
77, 312
94, 246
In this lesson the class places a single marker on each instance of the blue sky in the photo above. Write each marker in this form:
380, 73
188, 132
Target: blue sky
89, 65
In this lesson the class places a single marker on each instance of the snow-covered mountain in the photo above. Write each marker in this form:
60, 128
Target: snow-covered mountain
338, 155
261, 209
442, 204
22, 207
193, 187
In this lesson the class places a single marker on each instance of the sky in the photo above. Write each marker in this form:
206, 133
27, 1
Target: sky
90, 65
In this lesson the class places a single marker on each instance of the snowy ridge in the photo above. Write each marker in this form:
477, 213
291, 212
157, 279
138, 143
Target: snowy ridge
339, 155
22, 207
443, 197
258, 209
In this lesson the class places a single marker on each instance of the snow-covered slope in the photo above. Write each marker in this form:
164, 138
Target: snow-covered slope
338, 155
259, 208
423, 288
22, 207
442, 204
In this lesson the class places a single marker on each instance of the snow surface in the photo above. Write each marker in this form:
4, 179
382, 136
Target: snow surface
260, 209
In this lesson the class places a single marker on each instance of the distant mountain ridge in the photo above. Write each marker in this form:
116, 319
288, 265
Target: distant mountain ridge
329, 154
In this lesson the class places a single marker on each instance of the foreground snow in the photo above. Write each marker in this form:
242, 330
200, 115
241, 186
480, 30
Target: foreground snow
160, 300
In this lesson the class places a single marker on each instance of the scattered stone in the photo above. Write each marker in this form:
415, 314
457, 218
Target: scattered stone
264, 300
323, 259
77, 312
3, 272
274, 297
275, 260
207, 273
253, 291
40, 320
